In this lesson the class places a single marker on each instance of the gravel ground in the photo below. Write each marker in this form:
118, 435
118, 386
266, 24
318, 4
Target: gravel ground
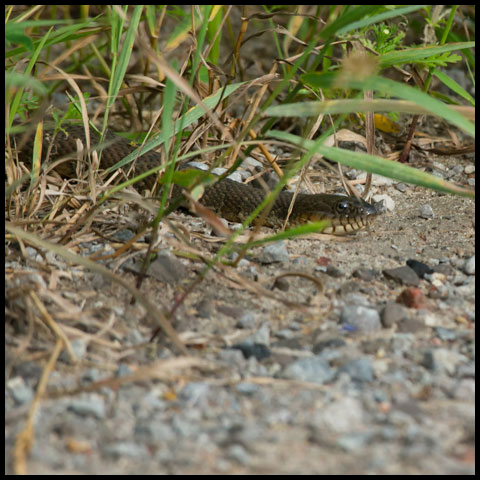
374, 375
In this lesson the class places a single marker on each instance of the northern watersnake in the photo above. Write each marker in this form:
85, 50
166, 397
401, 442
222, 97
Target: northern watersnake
231, 200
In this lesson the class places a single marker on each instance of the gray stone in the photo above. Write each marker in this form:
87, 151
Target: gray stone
359, 369
261, 336
239, 454
442, 360
426, 211
93, 405
309, 369
79, 347
21, 393
126, 449
167, 268
246, 320
273, 253
363, 319
469, 267
404, 275
392, 313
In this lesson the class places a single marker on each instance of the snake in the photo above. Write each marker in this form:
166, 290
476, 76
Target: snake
227, 198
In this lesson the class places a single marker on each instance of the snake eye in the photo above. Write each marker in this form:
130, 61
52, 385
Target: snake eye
342, 206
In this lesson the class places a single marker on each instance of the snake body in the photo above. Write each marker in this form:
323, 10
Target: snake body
231, 200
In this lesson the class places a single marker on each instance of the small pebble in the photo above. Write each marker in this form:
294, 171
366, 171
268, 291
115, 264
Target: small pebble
412, 298
274, 253
445, 334
251, 162
286, 333
123, 235
256, 350
366, 274
392, 314
358, 369
236, 177
403, 275
281, 284
92, 405
21, 392
126, 449
439, 166
410, 325
239, 454
469, 267
354, 441
309, 369
333, 343
362, 319
247, 320
421, 269
442, 360
260, 336
167, 268
79, 347
334, 272
388, 202
426, 211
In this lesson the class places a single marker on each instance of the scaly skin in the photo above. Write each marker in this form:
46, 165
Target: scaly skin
231, 200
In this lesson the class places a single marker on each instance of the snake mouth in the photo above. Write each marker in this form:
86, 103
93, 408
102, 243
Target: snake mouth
346, 226
342, 225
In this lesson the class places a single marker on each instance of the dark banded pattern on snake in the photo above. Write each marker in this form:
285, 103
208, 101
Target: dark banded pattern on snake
231, 200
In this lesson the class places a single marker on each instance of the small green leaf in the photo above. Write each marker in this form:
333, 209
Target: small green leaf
418, 54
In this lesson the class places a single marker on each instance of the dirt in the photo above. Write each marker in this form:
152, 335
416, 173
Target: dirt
209, 320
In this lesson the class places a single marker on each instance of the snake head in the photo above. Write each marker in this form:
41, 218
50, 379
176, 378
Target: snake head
349, 214
345, 214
